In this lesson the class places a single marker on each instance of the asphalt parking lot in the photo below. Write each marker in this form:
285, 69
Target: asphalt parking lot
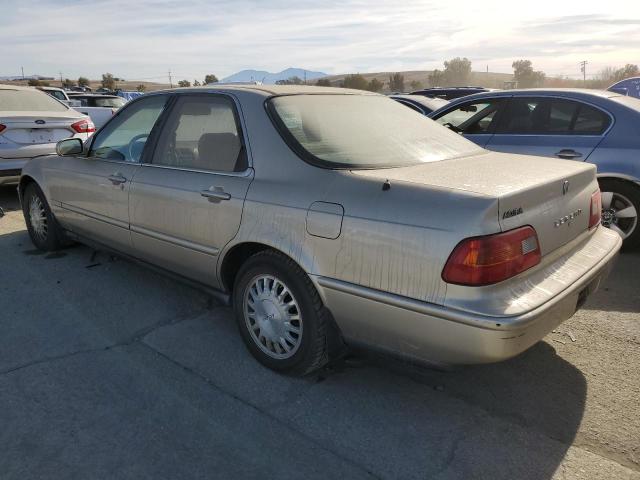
109, 370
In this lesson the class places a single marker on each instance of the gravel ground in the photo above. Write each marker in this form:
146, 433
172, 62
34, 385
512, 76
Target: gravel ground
108, 370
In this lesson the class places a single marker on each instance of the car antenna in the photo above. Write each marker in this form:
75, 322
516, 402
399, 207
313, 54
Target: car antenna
386, 185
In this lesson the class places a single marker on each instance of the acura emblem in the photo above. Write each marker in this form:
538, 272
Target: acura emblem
40, 122
565, 187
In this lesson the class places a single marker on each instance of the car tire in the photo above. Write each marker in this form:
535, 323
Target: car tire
623, 195
280, 314
44, 231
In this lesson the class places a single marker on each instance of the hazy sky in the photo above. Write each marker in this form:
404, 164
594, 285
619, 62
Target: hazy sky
143, 39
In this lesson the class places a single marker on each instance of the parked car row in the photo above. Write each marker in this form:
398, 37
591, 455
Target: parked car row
330, 217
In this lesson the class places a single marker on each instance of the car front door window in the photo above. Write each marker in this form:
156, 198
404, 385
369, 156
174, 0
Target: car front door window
472, 118
123, 139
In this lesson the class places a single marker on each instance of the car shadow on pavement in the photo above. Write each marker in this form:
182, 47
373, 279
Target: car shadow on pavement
619, 292
9, 198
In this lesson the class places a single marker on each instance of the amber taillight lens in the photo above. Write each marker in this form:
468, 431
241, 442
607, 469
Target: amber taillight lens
492, 258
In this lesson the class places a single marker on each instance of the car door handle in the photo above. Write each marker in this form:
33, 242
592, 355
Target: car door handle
117, 178
568, 153
215, 195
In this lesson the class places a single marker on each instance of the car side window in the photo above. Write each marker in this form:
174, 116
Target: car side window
590, 121
202, 133
472, 118
123, 138
552, 116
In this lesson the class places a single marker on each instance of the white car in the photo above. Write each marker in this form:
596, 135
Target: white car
31, 123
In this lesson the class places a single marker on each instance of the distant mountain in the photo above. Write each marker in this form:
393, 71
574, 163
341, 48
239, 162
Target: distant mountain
26, 77
271, 78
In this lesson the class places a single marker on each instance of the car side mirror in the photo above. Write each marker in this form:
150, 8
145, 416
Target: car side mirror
69, 146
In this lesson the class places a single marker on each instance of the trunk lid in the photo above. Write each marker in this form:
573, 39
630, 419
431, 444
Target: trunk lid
553, 196
37, 128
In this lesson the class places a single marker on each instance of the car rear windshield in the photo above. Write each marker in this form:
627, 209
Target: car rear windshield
362, 131
113, 102
29, 101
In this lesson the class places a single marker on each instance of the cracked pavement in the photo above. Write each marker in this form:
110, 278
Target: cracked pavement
109, 370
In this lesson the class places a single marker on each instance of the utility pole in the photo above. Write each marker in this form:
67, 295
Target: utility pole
170, 82
60, 79
583, 69
22, 68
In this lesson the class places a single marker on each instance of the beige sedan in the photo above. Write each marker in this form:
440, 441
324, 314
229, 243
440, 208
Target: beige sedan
329, 216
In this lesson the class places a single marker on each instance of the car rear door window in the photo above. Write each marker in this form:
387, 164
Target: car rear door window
202, 133
552, 116
591, 121
472, 118
123, 138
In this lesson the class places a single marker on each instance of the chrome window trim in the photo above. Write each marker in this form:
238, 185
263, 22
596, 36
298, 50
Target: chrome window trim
244, 173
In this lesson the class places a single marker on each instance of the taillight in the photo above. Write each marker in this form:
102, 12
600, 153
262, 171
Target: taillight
2, 127
596, 209
492, 258
84, 126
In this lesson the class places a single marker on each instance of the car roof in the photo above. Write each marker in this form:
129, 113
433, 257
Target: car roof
269, 90
568, 92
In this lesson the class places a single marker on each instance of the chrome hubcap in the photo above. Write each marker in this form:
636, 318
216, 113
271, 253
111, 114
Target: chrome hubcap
273, 317
618, 213
38, 218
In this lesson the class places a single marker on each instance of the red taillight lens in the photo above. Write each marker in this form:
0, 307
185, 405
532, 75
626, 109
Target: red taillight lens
2, 127
596, 209
493, 258
84, 126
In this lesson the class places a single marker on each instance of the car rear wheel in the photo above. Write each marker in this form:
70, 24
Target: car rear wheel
41, 224
280, 315
620, 208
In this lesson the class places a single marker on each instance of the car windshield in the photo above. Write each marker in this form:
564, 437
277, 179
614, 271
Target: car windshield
29, 101
363, 131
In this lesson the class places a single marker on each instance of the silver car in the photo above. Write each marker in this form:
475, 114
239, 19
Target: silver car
327, 216
31, 123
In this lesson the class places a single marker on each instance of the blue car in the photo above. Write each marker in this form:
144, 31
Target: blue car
594, 126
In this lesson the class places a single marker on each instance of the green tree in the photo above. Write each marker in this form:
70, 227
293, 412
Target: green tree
295, 80
196, 83
457, 71
83, 82
356, 81
436, 78
184, 83
323, 82
375, 85
141, 88
416, 85
108, 81
396, 82
524, 74
210, 78
67, 83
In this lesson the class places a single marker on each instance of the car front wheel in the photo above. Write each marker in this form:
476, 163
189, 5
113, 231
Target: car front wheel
41, 224
280, 315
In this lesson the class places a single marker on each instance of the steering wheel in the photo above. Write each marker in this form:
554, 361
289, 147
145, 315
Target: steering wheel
135, 148
450, 126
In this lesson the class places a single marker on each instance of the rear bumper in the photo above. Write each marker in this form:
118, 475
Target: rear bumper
444, 335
